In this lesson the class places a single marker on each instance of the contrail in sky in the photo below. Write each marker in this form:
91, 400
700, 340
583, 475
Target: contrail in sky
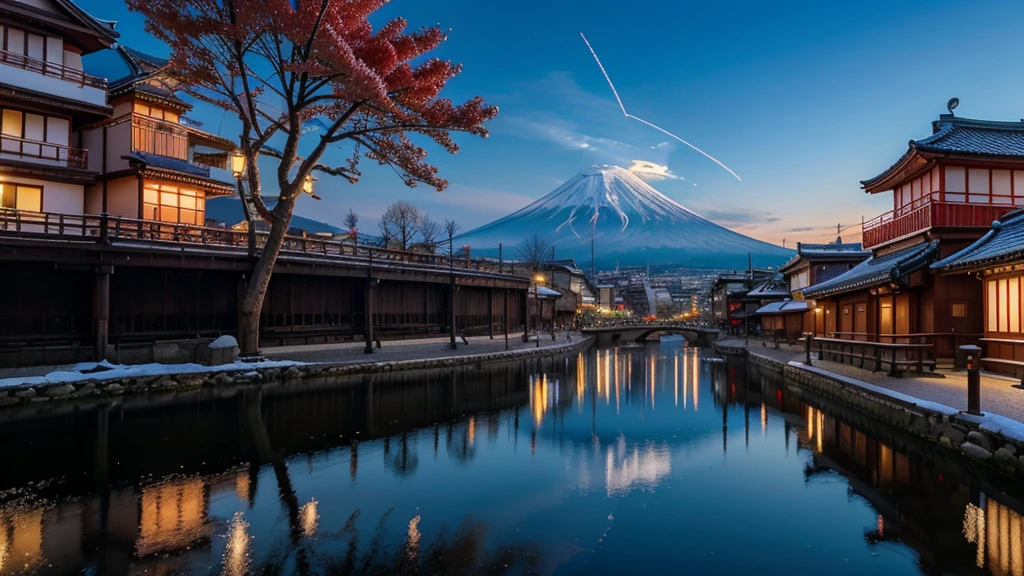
659, 128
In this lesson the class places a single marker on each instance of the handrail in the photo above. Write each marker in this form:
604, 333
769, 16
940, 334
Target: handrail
74, 157
838, 349
104, 228
927, 212
52, 69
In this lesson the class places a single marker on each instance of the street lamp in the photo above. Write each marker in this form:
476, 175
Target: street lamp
538, 279
307, 186
237, 164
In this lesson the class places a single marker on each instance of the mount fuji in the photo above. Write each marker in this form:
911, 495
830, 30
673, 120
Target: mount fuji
631, 223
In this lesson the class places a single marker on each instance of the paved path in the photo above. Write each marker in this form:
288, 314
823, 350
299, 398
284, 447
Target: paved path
999, 394
419, 349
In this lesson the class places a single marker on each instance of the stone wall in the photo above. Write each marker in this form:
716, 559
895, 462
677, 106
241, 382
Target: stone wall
967, 437
101, 388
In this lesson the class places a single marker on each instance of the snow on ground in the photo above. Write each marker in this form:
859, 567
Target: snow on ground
996, 424
82, 372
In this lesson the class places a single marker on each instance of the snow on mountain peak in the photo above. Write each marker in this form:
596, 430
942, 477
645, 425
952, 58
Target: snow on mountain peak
627, 217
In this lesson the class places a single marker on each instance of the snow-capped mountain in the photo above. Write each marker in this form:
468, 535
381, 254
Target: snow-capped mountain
631, 224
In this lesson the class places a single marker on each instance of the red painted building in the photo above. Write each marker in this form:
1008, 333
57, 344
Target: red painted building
947, 189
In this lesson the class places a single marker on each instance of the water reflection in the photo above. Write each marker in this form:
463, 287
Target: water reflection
388, 475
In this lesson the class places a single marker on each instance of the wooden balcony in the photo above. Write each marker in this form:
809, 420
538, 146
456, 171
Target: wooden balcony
51, 69
186, 238
915, 218
159, 137
46, 153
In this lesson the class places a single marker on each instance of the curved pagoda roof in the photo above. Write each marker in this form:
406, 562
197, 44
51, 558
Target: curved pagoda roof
953, 137
1003, 244
888, 268
66, 19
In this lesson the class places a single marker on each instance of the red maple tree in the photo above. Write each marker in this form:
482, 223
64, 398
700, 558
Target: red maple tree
306, 75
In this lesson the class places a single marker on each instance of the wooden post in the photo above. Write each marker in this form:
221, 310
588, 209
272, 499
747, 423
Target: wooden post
451, 315
490, 313
369, 300
506, 319
101, 311
524, 306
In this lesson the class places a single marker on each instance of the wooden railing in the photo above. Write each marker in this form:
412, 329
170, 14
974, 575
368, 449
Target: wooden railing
922, 215
105, 229
51, 69
159, 137
73, 157
876, 355
944, 344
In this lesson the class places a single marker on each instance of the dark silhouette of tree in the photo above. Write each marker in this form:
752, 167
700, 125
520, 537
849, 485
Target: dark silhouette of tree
351, 220
399, 224
534, 250
430, 231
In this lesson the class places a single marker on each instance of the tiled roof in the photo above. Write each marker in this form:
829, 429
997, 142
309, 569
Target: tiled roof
774, 287
784, 307
891, 267
1003, 243
956, 136
830, 251
168, 163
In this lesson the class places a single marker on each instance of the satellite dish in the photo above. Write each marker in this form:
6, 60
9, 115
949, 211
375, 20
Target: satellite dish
952, 104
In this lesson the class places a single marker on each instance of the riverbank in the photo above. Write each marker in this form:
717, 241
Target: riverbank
916, 404
284, 365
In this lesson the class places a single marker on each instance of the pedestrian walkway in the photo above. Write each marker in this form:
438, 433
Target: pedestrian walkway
418, 349
999, 394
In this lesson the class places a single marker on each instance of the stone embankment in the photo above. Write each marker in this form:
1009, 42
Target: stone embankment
989, 443
100, 387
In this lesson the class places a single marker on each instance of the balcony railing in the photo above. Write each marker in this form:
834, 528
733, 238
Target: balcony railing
896, 224
51, 69
103, 229
47, 151
159, 137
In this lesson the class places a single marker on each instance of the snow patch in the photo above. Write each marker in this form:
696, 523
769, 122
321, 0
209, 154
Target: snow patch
224, 341
898, 396
118, 371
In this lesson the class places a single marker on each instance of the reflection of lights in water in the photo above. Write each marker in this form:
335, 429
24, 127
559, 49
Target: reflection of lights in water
412, 539
640, 467
581, 381
607, 374
472, 430
881, 526
651, 370
173, 515
21, 541
675, 376
816, 427
695, 368
996, 530
686, 381
617, 382
309, 518
242, 486
764, 420
539, 397
236, 553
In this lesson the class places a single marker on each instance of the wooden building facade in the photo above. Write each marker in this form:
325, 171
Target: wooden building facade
947, 189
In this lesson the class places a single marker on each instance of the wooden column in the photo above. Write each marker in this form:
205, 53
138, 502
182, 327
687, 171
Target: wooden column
101, 311
451, 314
490, 313
524, 306
369, 305
506, 319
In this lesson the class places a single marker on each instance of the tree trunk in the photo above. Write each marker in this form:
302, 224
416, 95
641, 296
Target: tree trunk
256, 287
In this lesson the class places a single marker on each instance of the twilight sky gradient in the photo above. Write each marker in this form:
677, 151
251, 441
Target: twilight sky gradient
802, 99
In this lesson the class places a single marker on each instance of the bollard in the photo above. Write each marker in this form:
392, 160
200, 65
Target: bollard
973, 357
807, 339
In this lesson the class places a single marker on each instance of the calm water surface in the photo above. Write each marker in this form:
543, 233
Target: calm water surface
629, 460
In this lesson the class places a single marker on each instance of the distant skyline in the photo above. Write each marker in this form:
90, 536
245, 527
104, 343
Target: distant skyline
801, 100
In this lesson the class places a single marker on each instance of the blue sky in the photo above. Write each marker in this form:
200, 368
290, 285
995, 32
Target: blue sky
801, 99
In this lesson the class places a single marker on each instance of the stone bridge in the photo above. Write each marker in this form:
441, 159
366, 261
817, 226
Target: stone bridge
640, 333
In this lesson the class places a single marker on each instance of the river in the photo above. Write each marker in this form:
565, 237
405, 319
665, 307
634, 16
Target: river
615, 461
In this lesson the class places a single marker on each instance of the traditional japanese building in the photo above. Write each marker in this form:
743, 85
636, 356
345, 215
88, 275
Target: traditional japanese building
995, 264
45, 100
154, 164
947, 189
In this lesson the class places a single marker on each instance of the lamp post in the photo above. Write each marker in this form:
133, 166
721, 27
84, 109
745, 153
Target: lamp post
538, 279
238, 171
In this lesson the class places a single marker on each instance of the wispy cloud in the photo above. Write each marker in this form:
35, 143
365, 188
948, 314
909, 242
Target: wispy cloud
563, 133
738, 217
651, 171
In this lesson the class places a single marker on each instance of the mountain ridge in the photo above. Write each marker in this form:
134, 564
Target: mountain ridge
631, 222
